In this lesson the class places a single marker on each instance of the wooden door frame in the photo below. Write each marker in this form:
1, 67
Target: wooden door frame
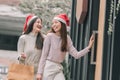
101, 23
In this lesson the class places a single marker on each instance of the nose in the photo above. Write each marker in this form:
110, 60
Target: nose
40, 24
53, 26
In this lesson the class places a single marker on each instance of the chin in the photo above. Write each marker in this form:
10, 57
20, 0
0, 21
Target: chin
56, 30
38, 31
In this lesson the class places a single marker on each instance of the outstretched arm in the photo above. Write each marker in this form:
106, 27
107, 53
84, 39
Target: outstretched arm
77, 54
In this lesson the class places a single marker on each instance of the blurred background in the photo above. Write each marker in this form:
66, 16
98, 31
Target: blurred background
12, 17
98, 17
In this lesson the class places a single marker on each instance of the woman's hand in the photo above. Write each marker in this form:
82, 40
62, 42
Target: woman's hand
91, 41
39, 77
23, 55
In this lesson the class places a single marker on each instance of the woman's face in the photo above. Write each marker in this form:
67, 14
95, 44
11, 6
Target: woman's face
56, 26
37, 25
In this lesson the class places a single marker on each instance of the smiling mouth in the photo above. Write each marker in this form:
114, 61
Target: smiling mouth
39, 27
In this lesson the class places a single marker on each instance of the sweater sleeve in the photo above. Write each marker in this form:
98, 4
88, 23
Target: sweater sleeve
20, 48
45, 52
73, 52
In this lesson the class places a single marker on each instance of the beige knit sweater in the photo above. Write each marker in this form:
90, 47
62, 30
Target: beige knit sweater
26, 45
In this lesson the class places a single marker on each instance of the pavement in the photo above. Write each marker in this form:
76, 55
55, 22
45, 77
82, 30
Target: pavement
6, 58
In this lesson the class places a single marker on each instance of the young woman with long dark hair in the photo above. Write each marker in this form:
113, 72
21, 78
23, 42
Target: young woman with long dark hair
55, 46
30, 43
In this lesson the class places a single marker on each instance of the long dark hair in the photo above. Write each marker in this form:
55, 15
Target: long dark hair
63, 35
39, 39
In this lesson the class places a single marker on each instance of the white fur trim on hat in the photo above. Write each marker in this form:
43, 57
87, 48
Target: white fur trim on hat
31, 19
60, 19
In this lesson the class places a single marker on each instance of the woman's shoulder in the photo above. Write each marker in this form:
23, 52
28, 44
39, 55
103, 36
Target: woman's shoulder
50, 34
43, 35
68, 37
23, 36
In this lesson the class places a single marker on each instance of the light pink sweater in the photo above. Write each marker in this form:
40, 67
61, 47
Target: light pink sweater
51, 51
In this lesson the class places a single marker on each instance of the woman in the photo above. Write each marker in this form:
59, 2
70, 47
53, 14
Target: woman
30, 42
56, 44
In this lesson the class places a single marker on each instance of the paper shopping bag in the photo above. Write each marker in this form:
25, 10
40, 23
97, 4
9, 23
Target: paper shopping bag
20, 72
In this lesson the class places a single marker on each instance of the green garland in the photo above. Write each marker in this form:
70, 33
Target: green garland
111, 16
66, 71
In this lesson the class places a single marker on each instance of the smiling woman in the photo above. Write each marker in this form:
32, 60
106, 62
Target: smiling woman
30, 43
56, 45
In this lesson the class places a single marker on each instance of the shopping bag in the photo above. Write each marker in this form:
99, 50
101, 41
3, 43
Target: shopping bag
20, 72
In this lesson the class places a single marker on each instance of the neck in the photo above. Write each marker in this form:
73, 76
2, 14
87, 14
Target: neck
35, 33
57, 33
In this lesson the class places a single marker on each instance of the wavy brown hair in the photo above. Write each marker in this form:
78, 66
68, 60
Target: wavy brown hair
39, 39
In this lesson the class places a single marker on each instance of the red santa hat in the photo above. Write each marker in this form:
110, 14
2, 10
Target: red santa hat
28, 20
63, 18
